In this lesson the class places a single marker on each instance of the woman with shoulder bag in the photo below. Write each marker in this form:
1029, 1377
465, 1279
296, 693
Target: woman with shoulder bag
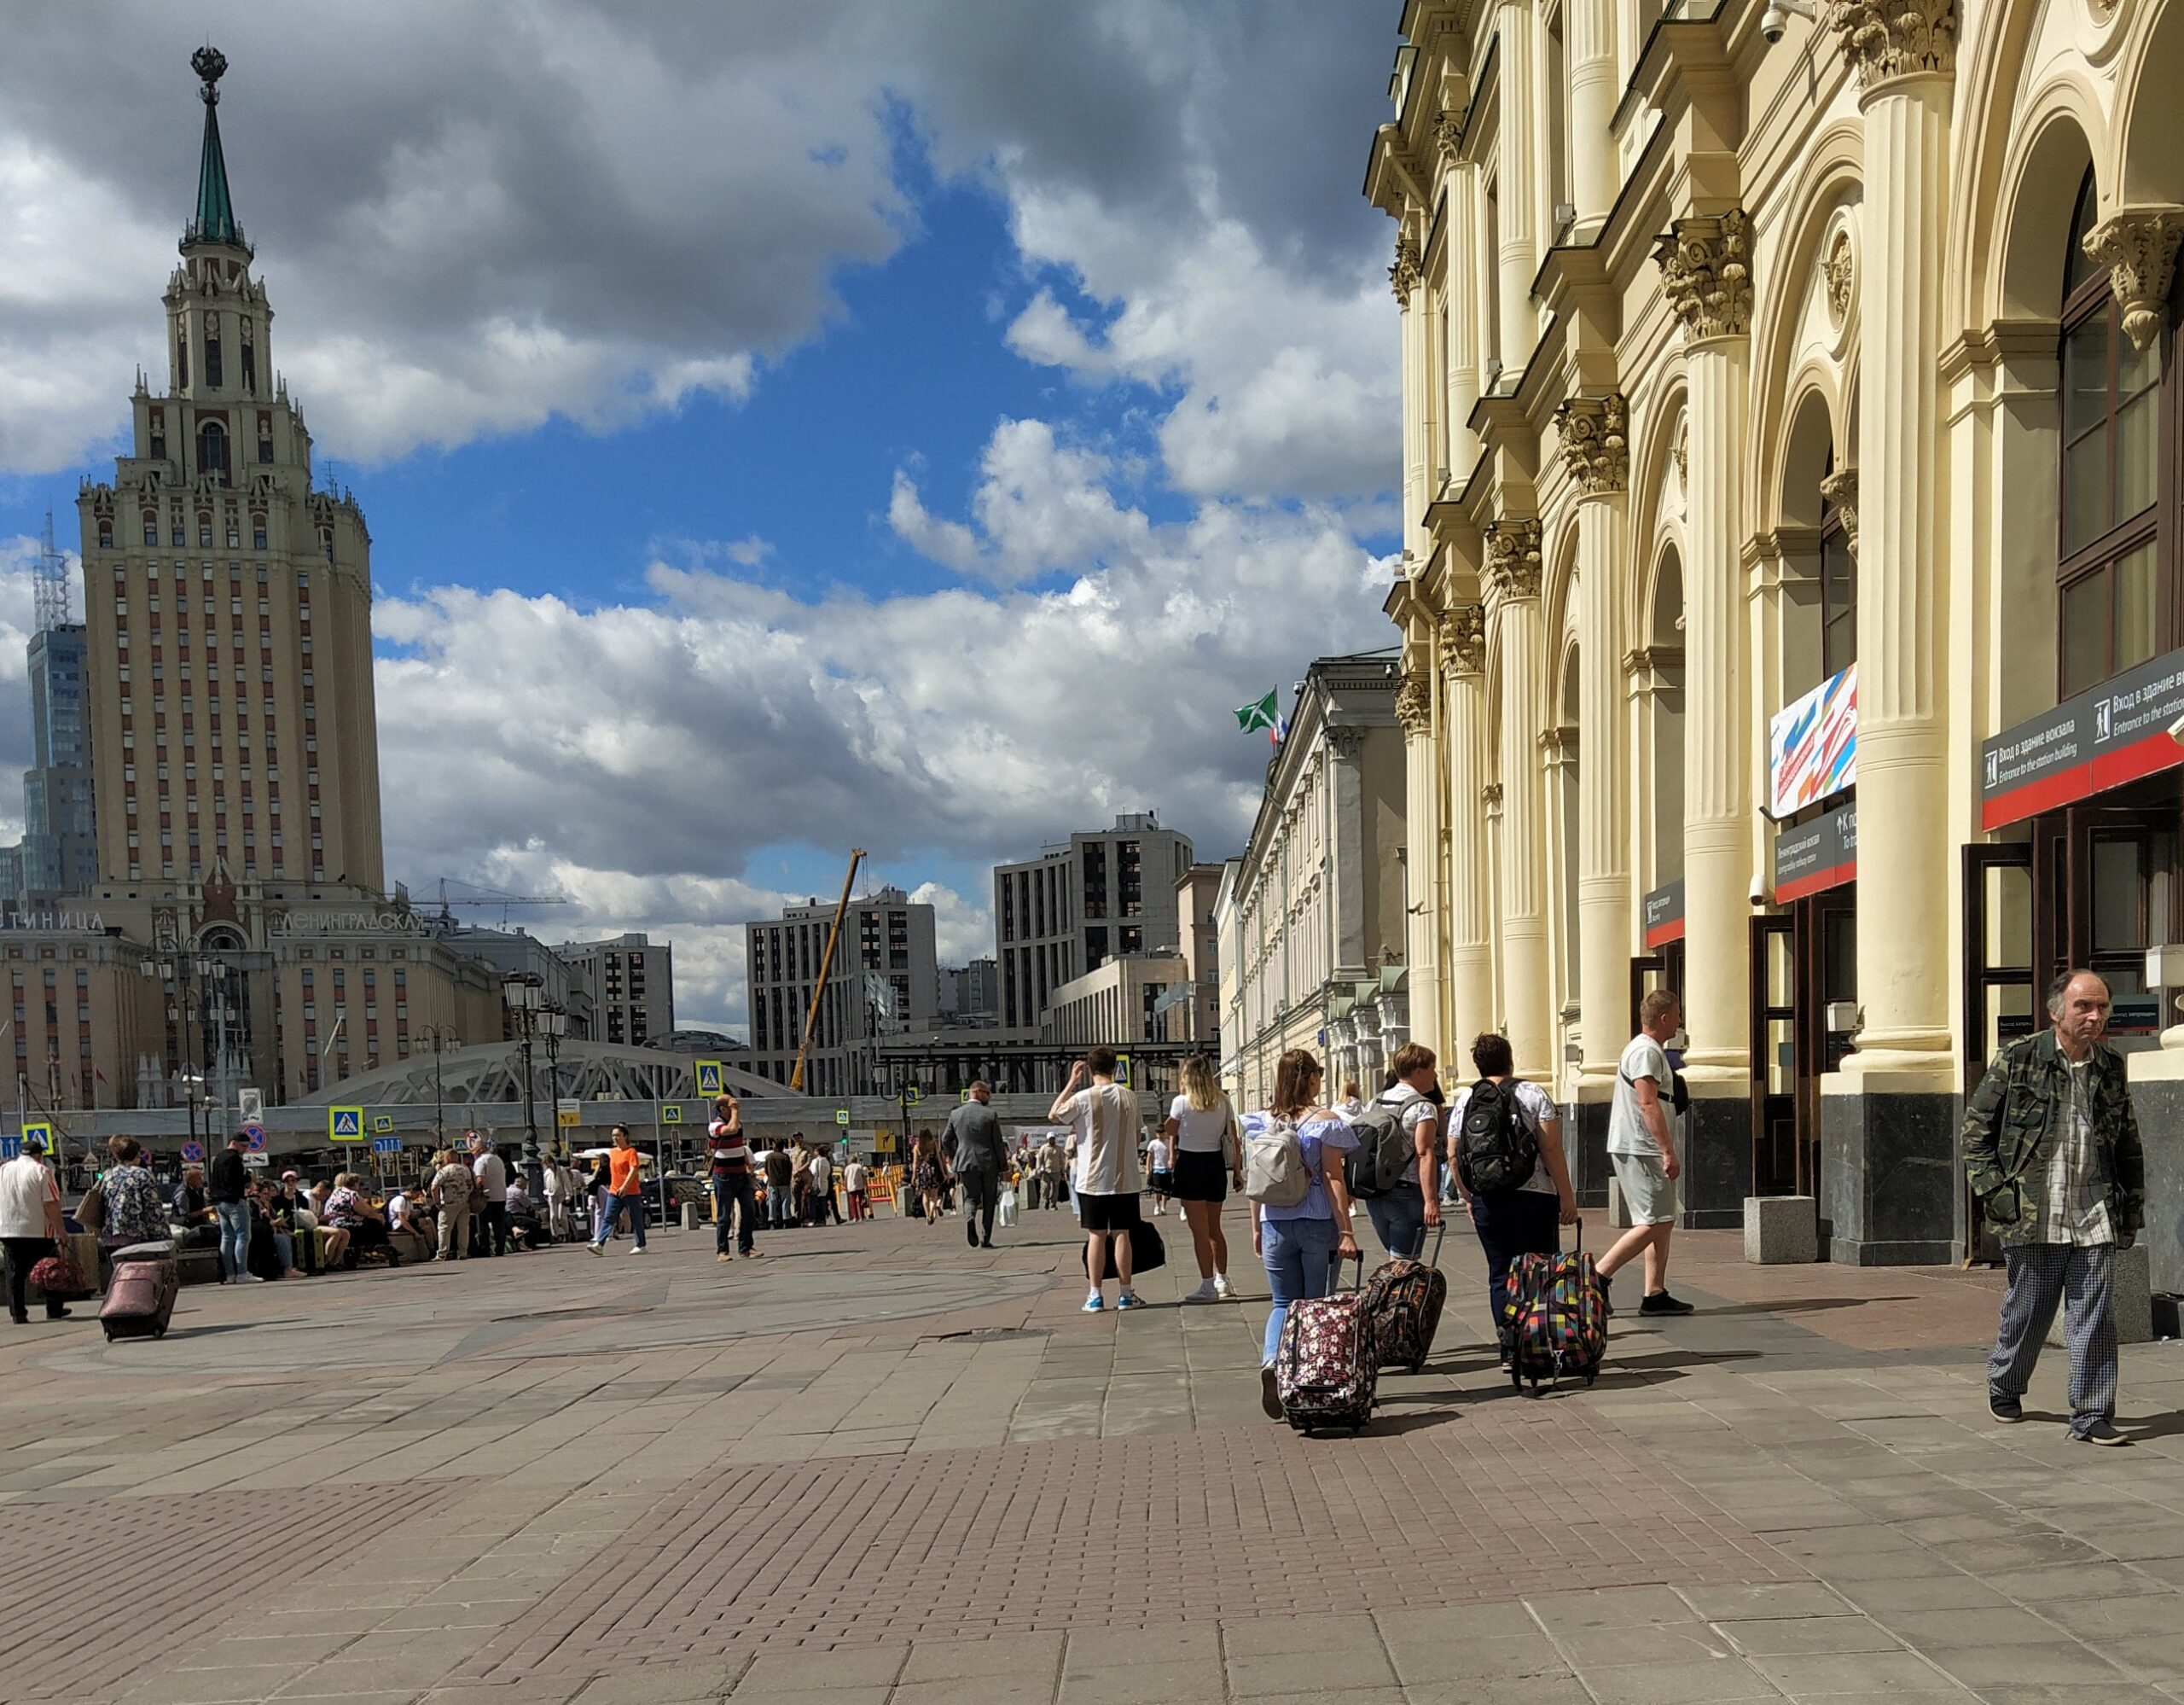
1303, 1242
1209, 1155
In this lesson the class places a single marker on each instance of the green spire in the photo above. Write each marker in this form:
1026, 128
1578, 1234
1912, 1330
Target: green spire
216, 212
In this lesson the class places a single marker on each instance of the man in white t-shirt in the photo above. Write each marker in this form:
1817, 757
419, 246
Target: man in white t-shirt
491, 1172
1104, 1122
853, 1187
1401, 1218
1160, 1175
1641, 1147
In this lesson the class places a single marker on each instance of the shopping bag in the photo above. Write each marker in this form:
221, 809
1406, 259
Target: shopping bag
1005, 1214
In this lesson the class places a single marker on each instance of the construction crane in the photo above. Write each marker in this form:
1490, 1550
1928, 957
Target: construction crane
826, 965
503, 901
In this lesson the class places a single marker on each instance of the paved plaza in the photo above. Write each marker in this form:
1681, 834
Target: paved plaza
878, 1466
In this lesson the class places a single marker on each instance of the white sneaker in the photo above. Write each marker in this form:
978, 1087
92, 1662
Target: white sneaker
1204, 1292
248, 1278
637, 1248
599, 1247
1221, 1287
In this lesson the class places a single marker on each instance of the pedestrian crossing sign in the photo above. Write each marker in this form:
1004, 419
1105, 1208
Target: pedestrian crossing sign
913, 1096
1122, 1070
344, 1124
41, 1130
841, 1115
381, 1124
671, 1113
709, 1082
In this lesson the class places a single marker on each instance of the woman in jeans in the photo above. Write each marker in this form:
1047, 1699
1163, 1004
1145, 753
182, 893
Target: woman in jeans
1301, 1246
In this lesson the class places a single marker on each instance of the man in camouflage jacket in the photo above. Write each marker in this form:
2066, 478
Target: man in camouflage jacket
2051, 1147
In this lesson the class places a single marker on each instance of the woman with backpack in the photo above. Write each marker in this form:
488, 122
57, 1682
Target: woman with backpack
1301, 1236
1209, 1151
1505, 1143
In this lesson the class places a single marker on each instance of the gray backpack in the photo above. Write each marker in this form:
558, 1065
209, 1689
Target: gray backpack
1274, 1174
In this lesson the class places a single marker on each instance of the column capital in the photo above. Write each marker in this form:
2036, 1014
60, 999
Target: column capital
1512, 560
1596, 437
1705, 263
1406, 270
1463, 640
1887, 40
2138, 246
1840, 488
1345, 740
1415, 704
1448, 129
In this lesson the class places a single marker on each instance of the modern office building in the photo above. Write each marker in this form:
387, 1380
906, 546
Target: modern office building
1790, 586
885, 979
1104, 893
631, 981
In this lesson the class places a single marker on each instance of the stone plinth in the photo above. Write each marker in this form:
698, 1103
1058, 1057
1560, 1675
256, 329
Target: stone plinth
1780, 1231
2133, 1299
1618, 1210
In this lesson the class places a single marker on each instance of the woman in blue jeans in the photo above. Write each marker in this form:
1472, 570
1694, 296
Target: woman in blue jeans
1301, 1246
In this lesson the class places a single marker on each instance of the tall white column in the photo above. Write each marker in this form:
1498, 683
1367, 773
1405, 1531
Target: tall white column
1512, 579
1343, 842
1423, 899
1594, 88
1470, 899
1706, 274
1595, 446
1904, 55
1465, 335
1517, 187
1406, 278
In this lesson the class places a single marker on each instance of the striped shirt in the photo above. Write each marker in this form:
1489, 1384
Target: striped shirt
731, 1149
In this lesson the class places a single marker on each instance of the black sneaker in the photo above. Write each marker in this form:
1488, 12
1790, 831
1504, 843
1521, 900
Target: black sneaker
1660, 1302
1269, 1392
1607, 1295
2004, 1406
2100, 1433
972, 1237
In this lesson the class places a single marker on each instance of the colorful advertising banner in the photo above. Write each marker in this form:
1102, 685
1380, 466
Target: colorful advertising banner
1812, 745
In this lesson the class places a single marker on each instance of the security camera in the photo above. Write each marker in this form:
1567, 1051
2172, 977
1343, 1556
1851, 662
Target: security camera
1757, 892
1775, 20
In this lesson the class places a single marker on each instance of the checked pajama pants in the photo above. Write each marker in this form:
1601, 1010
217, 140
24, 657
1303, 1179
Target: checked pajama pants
2079, 1278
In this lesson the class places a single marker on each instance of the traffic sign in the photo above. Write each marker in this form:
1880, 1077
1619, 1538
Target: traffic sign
257, 1162
671, 1113
344, 1124
841, 1115
883, 1141
381, 1124
193, 1153
912, 1096
250, 1104
568, 1114
41, 1130
964, 1099
254, 1138
710, 1081
11, 1148
387, 1145
1122, 1070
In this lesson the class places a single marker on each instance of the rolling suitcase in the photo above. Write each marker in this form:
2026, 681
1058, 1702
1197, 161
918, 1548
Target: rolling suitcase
140, 1296
1557, 1317
1325, 1371
1403, 1300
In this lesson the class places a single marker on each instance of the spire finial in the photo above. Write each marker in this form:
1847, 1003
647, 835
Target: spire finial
216, 214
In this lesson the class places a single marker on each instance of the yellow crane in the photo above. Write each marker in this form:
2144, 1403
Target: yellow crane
826, 965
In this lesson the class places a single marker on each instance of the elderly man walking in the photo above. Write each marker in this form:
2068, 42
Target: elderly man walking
2051, 1146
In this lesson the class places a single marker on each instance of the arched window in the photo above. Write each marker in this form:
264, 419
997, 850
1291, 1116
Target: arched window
2116, 610
1839, 584
212, 451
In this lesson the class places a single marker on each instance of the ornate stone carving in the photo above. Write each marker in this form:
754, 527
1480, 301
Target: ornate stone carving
1404, 274
1840, 488
1343, 740
1415, 704
1680, 452
1463, 640
1839, 271
1448, 129
1512, 559
2138, 246
1705, 264
1885, 39
1491, 793
1596, 437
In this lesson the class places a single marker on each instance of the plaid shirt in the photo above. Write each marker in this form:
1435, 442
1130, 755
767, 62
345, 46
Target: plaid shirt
2041, 1140
2070, 1206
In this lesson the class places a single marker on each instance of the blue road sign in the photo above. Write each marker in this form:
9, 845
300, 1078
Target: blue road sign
193, 1153
11, 1148
254, 1135
387, 1145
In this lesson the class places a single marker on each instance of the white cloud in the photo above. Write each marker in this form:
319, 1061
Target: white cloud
1041, 505
962, 929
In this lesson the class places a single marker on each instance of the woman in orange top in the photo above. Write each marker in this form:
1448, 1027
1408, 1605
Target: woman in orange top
625, 1192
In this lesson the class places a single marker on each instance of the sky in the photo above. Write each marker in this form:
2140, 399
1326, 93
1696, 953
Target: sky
907, 424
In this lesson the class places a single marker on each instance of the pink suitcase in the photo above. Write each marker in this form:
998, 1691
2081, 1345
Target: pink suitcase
140, 1298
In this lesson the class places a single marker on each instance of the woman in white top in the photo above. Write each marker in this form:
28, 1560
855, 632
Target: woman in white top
1209, 1155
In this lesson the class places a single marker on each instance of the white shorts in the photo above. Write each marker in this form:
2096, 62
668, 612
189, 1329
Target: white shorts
1648, 1191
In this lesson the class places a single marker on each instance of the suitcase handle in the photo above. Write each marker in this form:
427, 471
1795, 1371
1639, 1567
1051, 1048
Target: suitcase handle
1439, 1232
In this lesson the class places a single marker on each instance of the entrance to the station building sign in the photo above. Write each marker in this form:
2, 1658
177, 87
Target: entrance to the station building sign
1804, 961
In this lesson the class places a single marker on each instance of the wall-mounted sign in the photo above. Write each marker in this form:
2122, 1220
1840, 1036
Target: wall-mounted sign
1662, 910
1812, 745
359, 921
2112, 734
1816, 855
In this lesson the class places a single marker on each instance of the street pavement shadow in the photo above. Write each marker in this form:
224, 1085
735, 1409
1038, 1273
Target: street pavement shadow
1805, 1305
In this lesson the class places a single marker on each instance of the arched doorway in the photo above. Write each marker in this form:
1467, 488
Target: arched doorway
1657, 696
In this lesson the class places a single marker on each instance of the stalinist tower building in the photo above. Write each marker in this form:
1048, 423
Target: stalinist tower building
233, 732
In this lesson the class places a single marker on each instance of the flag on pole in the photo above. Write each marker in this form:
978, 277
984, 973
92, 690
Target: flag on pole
1266, 713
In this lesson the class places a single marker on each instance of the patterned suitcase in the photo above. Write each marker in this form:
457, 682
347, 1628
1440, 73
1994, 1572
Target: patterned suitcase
1325, 1368
1404, 1299
1556, 1317
140, 1298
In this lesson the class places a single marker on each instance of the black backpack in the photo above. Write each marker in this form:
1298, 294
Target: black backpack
1386, 1157
1496, 1148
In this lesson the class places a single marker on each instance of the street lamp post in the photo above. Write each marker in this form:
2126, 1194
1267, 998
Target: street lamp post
553, 1026
523, 992
443, 1041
